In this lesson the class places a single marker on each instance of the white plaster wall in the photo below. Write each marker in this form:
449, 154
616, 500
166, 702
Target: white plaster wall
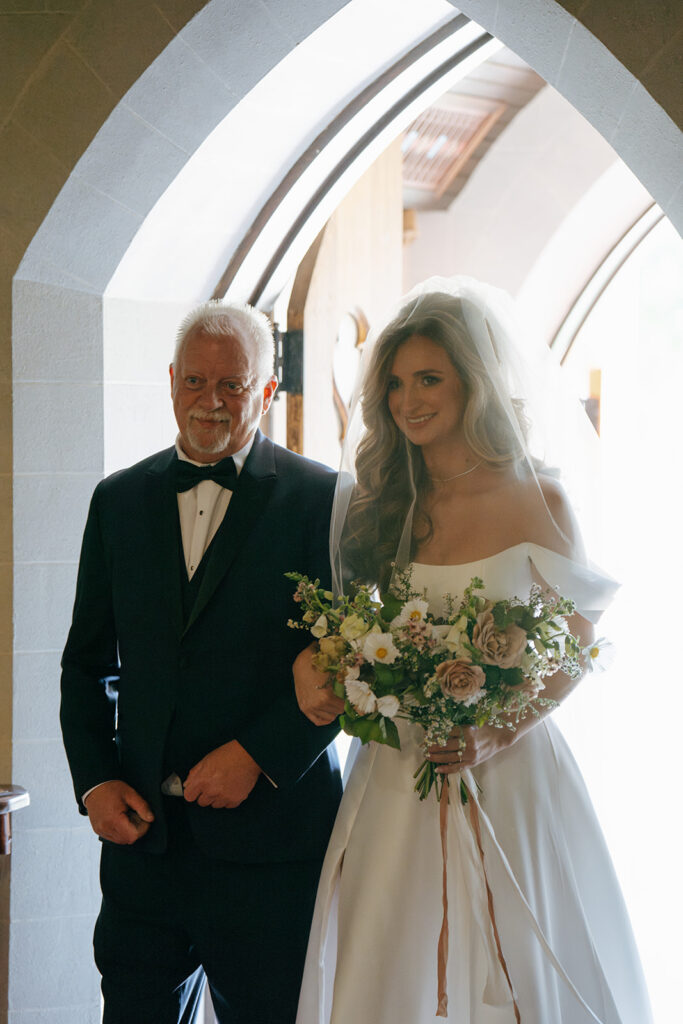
578, 246
536, 171
580, 67
138, 347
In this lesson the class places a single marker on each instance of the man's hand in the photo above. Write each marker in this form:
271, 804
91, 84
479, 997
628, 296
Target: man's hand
224, 778
118, 813
315, 696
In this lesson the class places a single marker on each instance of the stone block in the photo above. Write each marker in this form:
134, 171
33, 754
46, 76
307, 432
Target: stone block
57, 334
51, 971
24, 44
82, 238
46, 416
189, 110
40, 766
67, 497
63, 78
594, 81
30, 178
132, 162
645, 128
299, 20
537, 31
43, 599
118, 41
54, 872
35, 713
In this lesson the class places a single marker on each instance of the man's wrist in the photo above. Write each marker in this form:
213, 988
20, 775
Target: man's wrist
93, 788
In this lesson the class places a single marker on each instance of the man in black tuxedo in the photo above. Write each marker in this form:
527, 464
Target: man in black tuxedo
177, 670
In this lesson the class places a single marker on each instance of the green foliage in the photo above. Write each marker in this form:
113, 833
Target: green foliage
391, 606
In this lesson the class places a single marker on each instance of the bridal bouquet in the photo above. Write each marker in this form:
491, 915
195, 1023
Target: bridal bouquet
481, 664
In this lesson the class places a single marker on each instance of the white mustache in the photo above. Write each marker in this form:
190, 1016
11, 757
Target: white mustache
214, 417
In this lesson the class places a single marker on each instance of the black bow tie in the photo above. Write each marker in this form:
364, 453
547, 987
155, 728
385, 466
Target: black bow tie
188, 475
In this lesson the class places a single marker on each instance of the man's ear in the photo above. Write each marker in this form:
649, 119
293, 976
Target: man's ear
170, 373
269, 390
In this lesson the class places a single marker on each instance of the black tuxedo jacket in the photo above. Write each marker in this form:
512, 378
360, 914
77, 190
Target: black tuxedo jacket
144, 694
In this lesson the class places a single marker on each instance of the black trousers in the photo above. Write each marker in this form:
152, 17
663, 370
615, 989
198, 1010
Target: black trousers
166, 917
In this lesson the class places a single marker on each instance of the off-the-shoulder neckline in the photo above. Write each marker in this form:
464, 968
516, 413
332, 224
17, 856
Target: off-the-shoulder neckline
487, 558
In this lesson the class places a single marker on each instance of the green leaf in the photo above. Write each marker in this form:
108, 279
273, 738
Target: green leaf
498, 612
366, 729
493, 675
390, 733
391, 606
513, 676
387, 675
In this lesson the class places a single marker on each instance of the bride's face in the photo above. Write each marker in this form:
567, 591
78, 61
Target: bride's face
425, 393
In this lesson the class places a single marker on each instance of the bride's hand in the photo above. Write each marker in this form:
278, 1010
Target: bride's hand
470, 746
316, 697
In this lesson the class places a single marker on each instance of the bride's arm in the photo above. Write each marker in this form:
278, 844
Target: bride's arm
472, 745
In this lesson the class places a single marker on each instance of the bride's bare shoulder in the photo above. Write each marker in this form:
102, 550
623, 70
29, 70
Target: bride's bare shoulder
544, 517
566, 541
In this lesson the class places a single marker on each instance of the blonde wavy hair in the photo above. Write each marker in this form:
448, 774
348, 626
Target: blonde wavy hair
388, 465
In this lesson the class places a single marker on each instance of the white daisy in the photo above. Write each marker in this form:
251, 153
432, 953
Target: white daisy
412, 611
380, 647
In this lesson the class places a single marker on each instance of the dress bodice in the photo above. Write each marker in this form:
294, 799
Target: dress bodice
508, 573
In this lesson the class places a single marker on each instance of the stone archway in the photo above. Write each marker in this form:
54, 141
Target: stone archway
177, 97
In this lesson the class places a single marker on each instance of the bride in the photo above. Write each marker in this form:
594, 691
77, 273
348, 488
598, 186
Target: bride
448, 481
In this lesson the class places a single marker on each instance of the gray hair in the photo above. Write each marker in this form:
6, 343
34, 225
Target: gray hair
219, 319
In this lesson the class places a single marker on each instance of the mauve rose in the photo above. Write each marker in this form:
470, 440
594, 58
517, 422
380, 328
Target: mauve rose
502, 647
461, 680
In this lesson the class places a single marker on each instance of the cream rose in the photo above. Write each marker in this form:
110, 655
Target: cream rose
353, 627
461, 680
320, 628
455, 637
502, 647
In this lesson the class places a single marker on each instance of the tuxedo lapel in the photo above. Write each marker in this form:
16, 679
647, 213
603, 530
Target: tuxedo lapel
163, 536
246, 506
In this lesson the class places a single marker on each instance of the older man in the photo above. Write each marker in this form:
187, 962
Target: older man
177, 673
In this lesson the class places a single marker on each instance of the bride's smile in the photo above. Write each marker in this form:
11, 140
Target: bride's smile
425, 393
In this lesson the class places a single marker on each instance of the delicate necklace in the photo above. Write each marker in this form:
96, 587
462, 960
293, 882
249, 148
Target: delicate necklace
447, 479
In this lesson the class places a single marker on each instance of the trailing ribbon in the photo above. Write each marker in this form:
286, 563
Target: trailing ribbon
442, 954
478, 817
474, 818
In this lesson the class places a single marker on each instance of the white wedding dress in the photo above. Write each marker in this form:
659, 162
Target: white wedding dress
563, 927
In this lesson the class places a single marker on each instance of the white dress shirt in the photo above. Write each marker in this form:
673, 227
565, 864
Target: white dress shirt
202, 509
